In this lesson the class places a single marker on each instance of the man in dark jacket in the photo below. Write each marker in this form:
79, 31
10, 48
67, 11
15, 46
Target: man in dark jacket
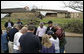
29, 43
50, 27
11, 36
9, 24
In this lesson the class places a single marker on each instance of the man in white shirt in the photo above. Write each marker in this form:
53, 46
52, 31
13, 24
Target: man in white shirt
9, 24
41, 30
16, 39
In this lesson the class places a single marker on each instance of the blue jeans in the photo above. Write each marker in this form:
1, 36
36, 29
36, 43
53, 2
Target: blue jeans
57, 51
62, 50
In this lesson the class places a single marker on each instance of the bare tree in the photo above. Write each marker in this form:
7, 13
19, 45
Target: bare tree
76, 5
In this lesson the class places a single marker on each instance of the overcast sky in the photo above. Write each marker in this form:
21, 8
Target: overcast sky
55, 5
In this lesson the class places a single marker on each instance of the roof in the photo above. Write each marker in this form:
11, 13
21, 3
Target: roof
11, 10
51, 10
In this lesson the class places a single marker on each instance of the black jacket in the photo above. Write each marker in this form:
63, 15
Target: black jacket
48, 28
6, 24
29, 43
12, 33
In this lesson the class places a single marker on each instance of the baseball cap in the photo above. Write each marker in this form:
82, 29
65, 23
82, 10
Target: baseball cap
49, 22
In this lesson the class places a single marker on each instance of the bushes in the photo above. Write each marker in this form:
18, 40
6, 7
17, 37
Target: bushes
74, 26
68, 24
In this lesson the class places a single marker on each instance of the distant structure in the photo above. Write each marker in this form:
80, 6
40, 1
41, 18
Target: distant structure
25, 12
76, 14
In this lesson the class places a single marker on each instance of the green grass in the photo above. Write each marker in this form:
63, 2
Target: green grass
60, 21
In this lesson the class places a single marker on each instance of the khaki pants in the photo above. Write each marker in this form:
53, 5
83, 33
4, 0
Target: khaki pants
10, 46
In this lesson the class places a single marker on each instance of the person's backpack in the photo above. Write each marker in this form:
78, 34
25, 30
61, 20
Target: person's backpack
60, 33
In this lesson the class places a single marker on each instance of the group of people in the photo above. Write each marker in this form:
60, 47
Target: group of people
32, 39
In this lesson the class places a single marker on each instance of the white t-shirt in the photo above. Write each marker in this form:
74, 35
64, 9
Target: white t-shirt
50, 28
41, 31
55, 42
9, 24
16, 40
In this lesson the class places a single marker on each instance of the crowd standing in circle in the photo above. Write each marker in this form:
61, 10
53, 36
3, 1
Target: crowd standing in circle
31, 39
